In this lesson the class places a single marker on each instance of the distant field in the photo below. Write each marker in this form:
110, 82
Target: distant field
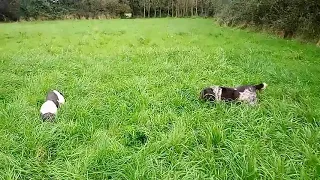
132, 109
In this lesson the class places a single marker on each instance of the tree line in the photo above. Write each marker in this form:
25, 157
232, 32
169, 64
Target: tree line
288, 16
57, 9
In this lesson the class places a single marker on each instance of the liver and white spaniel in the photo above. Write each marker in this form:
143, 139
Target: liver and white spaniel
49, 109
247, 93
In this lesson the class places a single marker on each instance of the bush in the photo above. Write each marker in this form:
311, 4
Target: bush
58, 9
289, 16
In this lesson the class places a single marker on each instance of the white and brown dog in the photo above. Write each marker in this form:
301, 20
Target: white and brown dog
49, 109
247, 93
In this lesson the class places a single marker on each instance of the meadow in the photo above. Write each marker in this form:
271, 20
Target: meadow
132, 109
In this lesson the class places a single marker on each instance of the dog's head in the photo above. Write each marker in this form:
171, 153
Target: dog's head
209, 94
60, 96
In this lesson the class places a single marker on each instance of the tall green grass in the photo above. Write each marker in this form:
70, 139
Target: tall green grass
132, 108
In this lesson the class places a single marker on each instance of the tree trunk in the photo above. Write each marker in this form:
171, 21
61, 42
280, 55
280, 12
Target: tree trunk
205, 9
185, 12
149, 6
191, 9
129, 5
202, 7
160, 12
196, 7
144, 9
155, 12
172, 8
168, 9
177, 10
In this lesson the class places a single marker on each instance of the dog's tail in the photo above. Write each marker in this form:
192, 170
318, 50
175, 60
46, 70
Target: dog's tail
261, 86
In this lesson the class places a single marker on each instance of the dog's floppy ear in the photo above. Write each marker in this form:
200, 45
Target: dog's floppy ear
261, 86
62, 95
61, 98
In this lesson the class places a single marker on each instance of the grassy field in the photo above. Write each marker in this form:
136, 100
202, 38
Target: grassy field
132, 109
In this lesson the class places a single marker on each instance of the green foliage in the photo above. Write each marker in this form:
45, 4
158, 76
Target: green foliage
9, 10
132, 108
42, 9
58, 9
290, 16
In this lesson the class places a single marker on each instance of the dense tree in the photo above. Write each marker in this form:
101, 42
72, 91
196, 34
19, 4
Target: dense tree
9, 10
289, 16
